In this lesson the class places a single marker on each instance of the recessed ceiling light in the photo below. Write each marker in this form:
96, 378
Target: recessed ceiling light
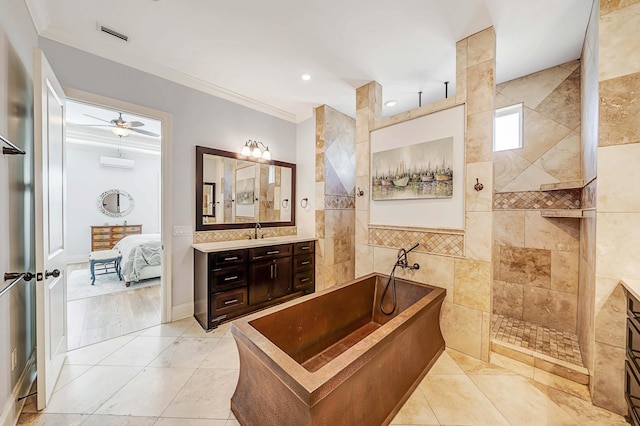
391, 103
305, 77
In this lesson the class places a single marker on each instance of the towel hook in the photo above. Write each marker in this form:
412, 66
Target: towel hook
478, 186
285, 203
304, 203
359, 192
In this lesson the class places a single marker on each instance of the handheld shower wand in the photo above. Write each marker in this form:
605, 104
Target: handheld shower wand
402, 262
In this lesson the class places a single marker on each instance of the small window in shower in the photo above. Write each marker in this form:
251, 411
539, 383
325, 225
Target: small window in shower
508, 128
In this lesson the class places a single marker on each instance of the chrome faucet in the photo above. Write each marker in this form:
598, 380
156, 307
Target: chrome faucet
255, 231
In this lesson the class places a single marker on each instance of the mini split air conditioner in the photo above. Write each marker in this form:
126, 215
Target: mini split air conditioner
122, 163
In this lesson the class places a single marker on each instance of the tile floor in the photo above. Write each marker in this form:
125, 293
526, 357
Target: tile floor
175, 374
548, 341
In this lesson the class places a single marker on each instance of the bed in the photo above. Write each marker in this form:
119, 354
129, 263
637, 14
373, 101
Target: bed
141, 257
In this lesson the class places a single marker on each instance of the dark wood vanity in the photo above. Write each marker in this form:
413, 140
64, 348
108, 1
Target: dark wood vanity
632, 363
233, 282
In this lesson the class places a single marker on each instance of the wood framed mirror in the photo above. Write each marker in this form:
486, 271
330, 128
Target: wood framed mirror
240, 191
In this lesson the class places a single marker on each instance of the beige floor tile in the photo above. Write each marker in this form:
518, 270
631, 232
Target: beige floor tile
193, 402
92, 355
416, 411
68, 373
197, 331
89, 391
172, 329
473, 366
102, 420
190, 422
36, 419
185, 352
445, 366
585, 412
560, 383
512, 365
149, 393
223, 356
139, 351
455, 400
520, 402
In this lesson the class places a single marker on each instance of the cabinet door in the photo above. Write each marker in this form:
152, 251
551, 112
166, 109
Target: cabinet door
281, 277
260, 281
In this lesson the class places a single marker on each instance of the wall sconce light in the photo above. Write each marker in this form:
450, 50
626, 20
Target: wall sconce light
252, 148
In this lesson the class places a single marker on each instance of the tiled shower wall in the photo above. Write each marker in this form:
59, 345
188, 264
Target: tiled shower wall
335, 192
465, 317
536, 259
618, 198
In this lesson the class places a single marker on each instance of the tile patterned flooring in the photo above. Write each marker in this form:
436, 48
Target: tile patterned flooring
556, 344
176, 374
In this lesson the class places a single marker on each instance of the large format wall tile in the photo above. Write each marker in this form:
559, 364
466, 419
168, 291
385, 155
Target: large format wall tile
608, 6
551, 234
610, 313
534, 88
608, 378
525, 266
563, 160
508, 299
481, 47
619, 42
564, 271
508, 228
478, 235
618, 239
472, 284
563, 104
479, 137
618, 180
462, 328
554, 309
540, 134
619, 110
481, 88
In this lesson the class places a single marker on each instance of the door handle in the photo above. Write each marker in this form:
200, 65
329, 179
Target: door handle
27, 276
55, 273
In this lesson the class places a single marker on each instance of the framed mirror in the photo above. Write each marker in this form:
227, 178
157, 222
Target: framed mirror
234, 192
115, 203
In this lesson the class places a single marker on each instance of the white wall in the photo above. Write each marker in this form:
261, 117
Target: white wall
197, 119
17, 328
432, 213
86, 179
306, 176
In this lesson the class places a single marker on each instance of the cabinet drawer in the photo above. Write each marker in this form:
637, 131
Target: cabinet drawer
117, 229
632, 393
133, 229
270, 252
222, 279
303, 262
304, 281
117, 237
106, 230
304, 247
101, 237
231, 257
228, 301
102, 244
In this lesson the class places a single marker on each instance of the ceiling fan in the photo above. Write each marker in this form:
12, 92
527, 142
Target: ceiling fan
121, 127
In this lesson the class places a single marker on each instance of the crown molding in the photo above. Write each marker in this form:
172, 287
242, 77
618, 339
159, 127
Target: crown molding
116, 54
79, 137
39, 15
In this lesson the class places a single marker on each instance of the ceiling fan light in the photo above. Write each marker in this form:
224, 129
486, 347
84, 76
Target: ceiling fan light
120, 131
246, 151
266, 155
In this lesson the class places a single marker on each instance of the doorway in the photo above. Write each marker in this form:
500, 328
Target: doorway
114, 212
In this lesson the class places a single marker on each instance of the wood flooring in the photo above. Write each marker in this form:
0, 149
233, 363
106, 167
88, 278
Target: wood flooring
99, 318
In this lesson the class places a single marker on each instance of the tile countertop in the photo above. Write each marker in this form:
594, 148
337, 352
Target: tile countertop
241, 244
632, 286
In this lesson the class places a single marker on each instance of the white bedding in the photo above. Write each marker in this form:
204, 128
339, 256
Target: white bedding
141, 255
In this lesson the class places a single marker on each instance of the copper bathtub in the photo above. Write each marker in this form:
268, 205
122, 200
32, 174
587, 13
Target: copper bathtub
332, 358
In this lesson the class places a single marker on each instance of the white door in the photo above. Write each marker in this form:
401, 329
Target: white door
49, 189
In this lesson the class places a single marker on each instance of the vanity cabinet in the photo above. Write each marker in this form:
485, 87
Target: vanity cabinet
231, 283
632, 363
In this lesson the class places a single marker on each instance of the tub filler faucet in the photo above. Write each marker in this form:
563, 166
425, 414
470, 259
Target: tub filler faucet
403, 263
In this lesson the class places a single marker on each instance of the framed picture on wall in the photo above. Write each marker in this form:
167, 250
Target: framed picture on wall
245, 191
422, 170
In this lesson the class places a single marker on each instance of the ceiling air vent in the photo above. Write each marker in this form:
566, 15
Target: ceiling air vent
113, 32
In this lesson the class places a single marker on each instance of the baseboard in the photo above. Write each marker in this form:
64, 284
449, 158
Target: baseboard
12, 408
182, 311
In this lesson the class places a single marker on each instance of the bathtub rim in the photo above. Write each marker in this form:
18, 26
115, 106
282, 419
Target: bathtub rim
312, 386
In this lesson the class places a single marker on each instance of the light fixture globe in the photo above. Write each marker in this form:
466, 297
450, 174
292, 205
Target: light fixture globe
246, 151
266, 155
120, 131
256, 152
252, 149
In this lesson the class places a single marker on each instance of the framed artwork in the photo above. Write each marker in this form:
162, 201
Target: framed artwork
422, 170
244, 191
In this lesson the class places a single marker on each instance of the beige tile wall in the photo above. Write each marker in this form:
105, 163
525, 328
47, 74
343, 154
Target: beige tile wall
617, 198
551, 138
465, 317
335, 211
